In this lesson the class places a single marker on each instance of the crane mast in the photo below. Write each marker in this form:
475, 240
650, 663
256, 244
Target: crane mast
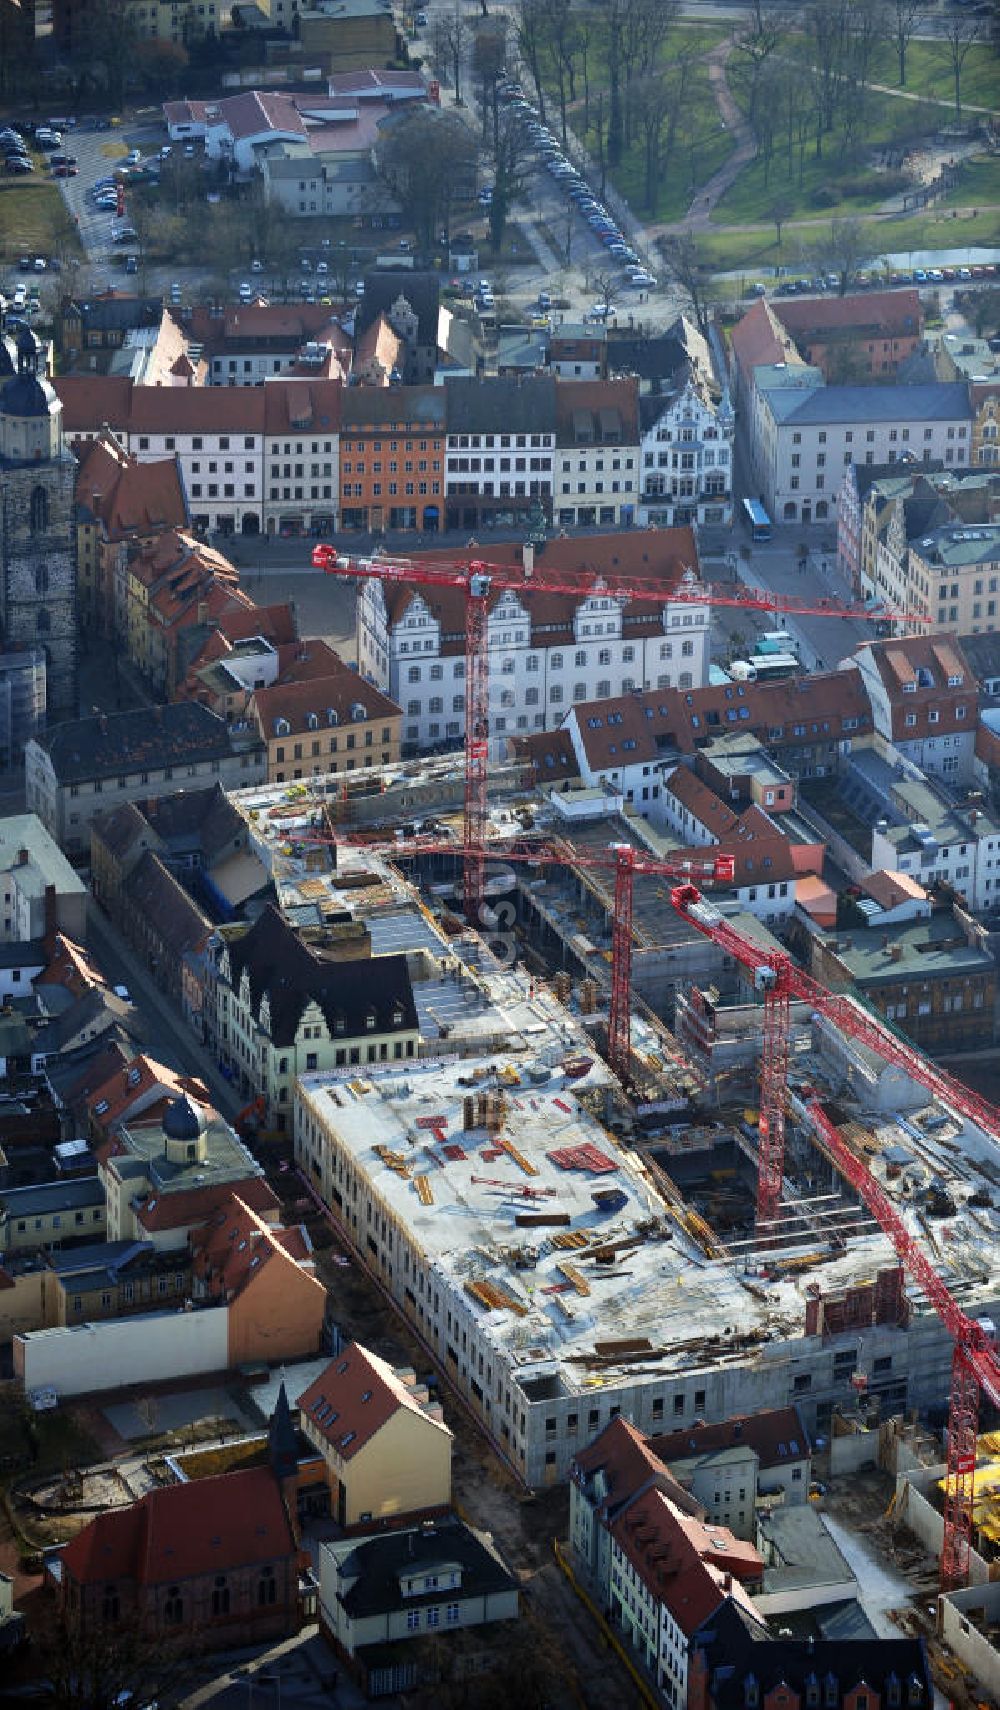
975, 1365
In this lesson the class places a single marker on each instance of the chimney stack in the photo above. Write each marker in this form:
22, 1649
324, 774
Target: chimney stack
528, 558
51, 921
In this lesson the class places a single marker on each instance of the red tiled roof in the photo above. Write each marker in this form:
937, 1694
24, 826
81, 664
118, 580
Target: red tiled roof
126, 496
592, 397
125, 1086
233, 1521
352, 1400
661, 720
889, 889
776, 1435
235, 1244
69, 965
889, 313
317, 698
624, 1455
302, 406
701, 802
191, 1206
759, 338
679, 1558
550, 754
657, 556
91, 400
915, 670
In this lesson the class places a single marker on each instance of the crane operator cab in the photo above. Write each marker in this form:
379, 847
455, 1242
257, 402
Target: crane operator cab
764, 979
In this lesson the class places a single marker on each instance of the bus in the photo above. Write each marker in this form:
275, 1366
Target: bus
765, 668
757, 518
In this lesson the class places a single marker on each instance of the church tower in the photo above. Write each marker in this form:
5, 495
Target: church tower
37, 521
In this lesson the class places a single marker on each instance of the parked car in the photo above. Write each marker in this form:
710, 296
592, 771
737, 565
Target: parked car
19, 299
131, 264
246, 292
134, 157
16, 163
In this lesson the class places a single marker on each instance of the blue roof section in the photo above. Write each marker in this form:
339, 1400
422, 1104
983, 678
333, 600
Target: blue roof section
942, 402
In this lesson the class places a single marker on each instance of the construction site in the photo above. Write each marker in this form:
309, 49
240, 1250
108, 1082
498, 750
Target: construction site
570, 1239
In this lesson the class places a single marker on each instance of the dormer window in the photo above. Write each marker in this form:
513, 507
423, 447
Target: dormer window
101, 1107
338, 1024
893, 1692
909, 688
359, 712
397, 1016
370, 1021
812, 1693
312, 721
751, 1692
282, 727
332, 716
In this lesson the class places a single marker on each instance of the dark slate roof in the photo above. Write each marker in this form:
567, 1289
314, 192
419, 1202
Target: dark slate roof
420, 288
292, 974
202, 821
118, 314
516, 405
119, 743
381, 1561
391, 406
74, 1195
735, 1653
83, 1013
121, 829
924, 509
26, 954
983, 654
945, 400
653, 359
161, 900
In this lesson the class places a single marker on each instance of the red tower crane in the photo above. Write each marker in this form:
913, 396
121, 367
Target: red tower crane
975, 1365
478, 581
623, 859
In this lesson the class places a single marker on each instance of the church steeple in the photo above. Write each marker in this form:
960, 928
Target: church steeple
282, 1441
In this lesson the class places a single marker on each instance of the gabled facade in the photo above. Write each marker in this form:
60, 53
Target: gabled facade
386, 1447
596, 471
280, 1007
548, 651
924, 700
687, 453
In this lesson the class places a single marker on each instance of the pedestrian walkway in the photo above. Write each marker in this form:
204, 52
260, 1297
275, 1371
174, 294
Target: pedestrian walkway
698, 216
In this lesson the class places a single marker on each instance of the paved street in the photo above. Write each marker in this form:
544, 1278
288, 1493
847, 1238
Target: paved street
164, 1030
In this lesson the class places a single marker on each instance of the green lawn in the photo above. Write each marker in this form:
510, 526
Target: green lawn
727, 249
928, 72
979, 181
703, 145
33, 217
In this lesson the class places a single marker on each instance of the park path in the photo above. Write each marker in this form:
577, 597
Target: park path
698, 216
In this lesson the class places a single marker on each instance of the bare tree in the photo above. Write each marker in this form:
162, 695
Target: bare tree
754, 44
605, 286
959, 35
428, 157
449, 37
781, 209
95, 1667
511, 167
900, 20
692, 273
656, 102
489, 58
533, 41
844, 252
